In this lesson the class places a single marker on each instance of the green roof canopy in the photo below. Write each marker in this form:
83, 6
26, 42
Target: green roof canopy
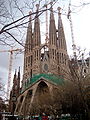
50, 77
58, 80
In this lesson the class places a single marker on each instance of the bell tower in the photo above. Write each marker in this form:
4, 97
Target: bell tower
28, 53
36, 44
52, 43
32, 49
62, 56
49, 58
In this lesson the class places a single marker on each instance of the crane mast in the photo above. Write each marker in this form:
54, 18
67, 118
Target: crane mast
46, 5
46, 39
72, 34
9, 73
10, 68
46, 25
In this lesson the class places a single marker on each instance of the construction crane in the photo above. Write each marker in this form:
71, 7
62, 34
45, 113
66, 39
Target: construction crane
46, 24
10, 68
46, 5
72, 34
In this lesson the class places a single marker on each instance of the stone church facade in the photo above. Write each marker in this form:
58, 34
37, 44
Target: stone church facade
45, 65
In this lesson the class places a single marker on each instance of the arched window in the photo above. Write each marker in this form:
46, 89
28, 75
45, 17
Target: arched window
42, 87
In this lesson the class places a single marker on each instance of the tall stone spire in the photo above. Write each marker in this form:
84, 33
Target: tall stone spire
28, 50
16, 84
29, 41
18, 81
52, 43
19, 73
15, 92
52, 29
61, 37
14, 79
36, 34
62, 55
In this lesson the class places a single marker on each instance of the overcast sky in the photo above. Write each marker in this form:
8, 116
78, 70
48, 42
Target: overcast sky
81, 30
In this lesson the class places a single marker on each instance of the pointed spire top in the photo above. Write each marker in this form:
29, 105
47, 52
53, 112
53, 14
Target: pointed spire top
51, 3
59, 17
14, 76
19, 69
15, 72
19, 73
61, 36
30, 14
37, 6
59, 10
51, 12
36, 33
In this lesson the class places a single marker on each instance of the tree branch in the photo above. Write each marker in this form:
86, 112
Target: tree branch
14, 38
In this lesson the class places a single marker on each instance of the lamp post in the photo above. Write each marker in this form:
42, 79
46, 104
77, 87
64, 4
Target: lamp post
13, 101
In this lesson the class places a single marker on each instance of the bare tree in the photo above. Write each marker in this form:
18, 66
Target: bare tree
16, 21
3, 91
78, 85
47, 103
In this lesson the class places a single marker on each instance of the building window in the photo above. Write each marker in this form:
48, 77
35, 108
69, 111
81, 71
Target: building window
31, 59
37, 54
30, 92
21, 99
85, 71
31, 73
60, 58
